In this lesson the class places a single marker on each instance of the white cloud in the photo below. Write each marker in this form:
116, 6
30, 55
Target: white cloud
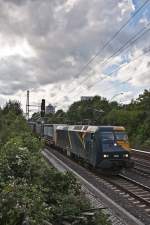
138, 71
126, 6
44, 45
21, 48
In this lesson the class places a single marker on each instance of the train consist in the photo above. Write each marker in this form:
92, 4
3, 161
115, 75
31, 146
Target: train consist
105, 148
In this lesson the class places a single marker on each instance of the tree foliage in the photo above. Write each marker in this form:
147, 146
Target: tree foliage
30, 190
135, 116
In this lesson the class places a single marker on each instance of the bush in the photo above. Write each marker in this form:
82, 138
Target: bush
30, 190
146, 144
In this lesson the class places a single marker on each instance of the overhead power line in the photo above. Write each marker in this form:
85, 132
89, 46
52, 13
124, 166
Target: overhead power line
128, 43
113, 37
145, 50
120, 67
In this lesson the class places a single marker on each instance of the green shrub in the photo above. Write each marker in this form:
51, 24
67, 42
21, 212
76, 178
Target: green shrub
31, 190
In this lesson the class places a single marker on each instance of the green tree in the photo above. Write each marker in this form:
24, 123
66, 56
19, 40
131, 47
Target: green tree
14, 107
30, 190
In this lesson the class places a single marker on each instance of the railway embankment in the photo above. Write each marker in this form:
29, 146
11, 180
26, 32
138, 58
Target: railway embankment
129, 204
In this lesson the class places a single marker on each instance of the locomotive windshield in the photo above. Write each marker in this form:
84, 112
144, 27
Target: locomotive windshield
121, 136
118, 135
107, 136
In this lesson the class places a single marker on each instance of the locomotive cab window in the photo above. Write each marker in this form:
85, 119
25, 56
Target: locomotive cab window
121, 136
107, 136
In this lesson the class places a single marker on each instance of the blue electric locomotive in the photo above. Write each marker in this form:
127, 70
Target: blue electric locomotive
103, 147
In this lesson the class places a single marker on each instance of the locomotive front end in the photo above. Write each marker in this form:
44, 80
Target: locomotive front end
115, 149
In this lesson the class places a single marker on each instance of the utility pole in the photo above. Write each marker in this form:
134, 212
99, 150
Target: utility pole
27, 105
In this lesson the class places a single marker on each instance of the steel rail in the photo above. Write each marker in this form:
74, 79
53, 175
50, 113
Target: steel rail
135, 182
140, 151
125, 187
142, 165
139, 169
61, 165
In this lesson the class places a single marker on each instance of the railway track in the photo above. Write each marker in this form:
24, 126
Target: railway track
142, 166
138, 191
140, 154
125, 192
142, 161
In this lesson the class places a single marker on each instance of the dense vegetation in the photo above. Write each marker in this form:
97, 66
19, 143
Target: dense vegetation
30, 191
134, 116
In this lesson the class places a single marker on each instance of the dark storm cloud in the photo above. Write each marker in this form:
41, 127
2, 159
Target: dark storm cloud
63, 38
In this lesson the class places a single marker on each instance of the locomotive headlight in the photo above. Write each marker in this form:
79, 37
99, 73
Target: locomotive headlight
105, 156
126, 155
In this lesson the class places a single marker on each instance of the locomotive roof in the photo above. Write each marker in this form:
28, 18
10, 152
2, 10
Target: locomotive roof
112, 128
54, 124
89, 128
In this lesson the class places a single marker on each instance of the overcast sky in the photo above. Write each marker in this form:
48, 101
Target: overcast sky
45, 44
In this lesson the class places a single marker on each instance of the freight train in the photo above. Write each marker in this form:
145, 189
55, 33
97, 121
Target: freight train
105, 148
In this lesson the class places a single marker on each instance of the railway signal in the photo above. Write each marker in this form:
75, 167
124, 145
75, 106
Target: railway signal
43, 108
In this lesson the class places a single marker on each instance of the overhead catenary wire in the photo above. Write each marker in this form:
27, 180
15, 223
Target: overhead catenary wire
128, 43
118, 68
123, 66
112, 38
131, 41
122, 47
145, 50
